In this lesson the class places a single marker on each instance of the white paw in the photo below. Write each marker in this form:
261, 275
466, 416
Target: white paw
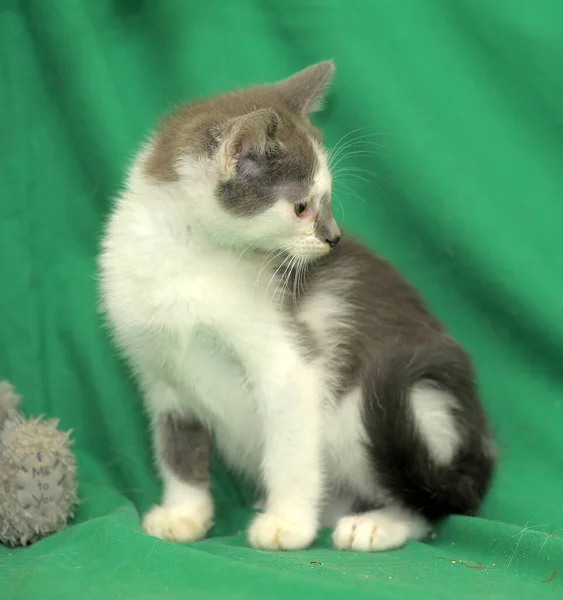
370, 532
180, 523
270, 532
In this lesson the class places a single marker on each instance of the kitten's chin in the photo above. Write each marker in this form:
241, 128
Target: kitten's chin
312, 254
309, 258
310, 249
300, 256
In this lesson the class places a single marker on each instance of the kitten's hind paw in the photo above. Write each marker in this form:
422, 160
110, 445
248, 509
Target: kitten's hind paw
268, 531
379, 530
179, 523
366, 533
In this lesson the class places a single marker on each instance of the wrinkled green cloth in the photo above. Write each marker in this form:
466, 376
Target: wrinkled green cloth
457, 110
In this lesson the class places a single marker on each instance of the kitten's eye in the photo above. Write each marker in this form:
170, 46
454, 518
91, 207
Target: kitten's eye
300, 208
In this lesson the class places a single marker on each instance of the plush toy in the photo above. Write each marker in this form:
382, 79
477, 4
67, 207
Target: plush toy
37, 474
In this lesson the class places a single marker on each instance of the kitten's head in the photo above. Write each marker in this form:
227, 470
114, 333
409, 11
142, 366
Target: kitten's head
252, 167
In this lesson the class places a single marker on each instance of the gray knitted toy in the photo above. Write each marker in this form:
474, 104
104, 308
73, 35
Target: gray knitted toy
37, 474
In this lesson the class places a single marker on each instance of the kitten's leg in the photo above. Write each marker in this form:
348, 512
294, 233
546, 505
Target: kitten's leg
386, 528
182, 456
290, 400
433, 460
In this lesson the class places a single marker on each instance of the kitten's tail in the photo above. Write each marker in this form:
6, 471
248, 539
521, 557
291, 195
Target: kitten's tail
428, 434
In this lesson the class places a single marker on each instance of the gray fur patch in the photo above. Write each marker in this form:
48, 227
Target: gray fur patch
387, 312
326, 228
195, 129
308, 343
279, 173
185, 449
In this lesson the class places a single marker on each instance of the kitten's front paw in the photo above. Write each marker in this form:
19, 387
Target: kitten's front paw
268, 531
369, 532
181, 523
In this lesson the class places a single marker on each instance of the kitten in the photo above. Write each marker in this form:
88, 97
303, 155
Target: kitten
313, 365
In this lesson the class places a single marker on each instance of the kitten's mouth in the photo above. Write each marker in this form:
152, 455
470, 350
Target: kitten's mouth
295, 260
319, 250
312, 256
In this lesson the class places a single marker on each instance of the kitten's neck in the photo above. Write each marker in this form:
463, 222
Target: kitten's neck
174, 216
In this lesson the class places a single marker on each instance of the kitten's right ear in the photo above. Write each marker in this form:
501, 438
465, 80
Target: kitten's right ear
304, 91
247, 138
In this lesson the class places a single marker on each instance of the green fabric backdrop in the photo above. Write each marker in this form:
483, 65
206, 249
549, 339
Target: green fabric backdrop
464, 193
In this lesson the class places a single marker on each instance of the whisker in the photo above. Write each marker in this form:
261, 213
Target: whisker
302, 272
352, 191
291, 271
284, 280
340, 204
357, 153
359, 142
365, 135
247, 247
341, 141
342, 145
233, 241
360, 174
276, 272
355, 177
339, 146
264, 264
295, 282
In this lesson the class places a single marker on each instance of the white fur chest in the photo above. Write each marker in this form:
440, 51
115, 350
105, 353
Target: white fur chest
165, 294
158, 276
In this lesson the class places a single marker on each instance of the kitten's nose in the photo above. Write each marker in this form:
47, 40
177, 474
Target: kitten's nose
333, 241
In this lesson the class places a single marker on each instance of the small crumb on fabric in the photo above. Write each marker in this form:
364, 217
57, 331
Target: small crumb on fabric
550, 578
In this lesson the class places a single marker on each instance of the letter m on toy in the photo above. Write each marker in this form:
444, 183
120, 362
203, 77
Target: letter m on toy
41, 472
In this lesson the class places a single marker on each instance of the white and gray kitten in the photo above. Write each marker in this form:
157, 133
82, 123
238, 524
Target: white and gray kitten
310, 362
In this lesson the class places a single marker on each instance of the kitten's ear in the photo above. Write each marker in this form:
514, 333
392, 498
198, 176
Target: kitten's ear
304, 91
248, 137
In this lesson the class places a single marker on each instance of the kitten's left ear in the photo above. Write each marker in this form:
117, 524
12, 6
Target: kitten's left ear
304, 91
248, 138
